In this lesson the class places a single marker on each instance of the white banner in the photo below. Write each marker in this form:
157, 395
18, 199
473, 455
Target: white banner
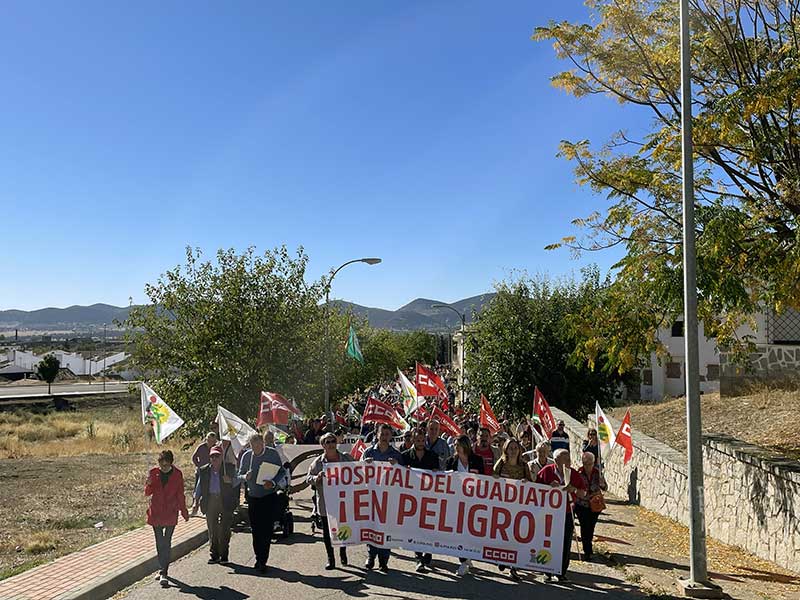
482, 518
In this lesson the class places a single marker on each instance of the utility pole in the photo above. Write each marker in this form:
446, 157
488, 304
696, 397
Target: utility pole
697, 586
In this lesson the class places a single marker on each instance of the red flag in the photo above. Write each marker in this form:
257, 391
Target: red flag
542, 410
445, 403
377, 411
421, 414
357, 451
624, 437
429, 383
448, 425
272, 410
275, 409
340, 419
487, 416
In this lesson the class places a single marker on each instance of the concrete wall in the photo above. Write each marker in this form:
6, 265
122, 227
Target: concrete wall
752, 496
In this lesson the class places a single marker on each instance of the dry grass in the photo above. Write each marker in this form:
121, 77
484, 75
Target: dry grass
104, 430
41, 542
49, 506
765, 416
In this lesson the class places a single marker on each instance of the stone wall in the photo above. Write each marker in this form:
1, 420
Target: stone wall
752, 496
774, 362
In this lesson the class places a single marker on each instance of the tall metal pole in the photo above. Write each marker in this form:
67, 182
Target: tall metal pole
369, 261
105, 351
698, 572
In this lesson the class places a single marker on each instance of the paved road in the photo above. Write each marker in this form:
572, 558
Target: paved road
297, 571
21, 391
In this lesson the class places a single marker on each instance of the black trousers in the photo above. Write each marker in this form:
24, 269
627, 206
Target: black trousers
262, 521
424, 557
326, 537
569, 529
163, 535
588, 521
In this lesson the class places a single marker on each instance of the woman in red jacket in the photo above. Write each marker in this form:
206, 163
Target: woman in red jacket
165, 488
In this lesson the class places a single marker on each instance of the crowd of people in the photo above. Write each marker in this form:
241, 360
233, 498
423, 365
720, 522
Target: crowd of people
508, 453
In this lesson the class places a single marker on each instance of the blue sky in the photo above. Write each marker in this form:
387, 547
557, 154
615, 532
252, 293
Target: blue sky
424, 133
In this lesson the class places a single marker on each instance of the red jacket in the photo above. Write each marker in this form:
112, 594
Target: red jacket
552, 473
165, 501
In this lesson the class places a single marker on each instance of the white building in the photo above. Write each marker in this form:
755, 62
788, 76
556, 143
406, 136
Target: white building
777, 341
68, 360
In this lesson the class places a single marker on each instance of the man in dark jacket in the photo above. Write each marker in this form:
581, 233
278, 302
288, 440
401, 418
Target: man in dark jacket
419, 457
218, 491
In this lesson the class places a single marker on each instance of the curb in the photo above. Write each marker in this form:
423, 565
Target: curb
108, 585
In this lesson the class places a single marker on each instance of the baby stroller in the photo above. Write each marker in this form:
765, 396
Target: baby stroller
283, 526
284, 519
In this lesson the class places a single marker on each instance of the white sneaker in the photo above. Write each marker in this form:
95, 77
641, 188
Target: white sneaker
463, 568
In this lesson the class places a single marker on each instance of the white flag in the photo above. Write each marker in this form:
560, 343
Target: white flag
353, 413
234, 429
411, 401
605, 433
158, 414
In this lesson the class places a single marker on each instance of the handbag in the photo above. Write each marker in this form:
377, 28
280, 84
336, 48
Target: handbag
597, 503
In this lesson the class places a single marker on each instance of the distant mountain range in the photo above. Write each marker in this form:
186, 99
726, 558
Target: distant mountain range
416, 315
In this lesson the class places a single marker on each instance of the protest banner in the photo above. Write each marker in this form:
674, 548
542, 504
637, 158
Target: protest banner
502, 521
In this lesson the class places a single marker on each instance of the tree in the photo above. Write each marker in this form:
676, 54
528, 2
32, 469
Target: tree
47, 369
384, 352
524, 338
220, 332
746, 80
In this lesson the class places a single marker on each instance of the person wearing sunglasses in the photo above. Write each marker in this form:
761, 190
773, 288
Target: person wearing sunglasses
316, 478
406, 444
590, 445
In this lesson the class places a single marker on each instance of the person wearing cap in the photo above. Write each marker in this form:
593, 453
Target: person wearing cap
216, 494
559, 439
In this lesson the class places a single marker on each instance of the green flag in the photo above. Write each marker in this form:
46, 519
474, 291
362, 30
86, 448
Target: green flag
353, 349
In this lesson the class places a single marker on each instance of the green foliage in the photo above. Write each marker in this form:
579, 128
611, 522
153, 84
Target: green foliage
746, 83
526, 338
47, 369
220, 332
384, 352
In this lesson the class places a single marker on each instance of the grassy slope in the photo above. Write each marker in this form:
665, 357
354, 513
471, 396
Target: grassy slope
764, 417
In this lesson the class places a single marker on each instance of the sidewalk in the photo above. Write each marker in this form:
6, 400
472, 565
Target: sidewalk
101, 570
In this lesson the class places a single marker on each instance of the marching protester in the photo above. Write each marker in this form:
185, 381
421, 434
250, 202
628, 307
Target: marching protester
511, 465
164, 486
261, 498
588, 508
218, 496
201, 458
419, 457
541, 458
407, 443
590, 445
465, 461
314, 432
559, 438
485, 451
316, 478
437, 444
561, 474
382, 451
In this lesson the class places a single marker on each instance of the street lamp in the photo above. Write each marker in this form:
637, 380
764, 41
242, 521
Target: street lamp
463, 346
369, 261
698, 584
